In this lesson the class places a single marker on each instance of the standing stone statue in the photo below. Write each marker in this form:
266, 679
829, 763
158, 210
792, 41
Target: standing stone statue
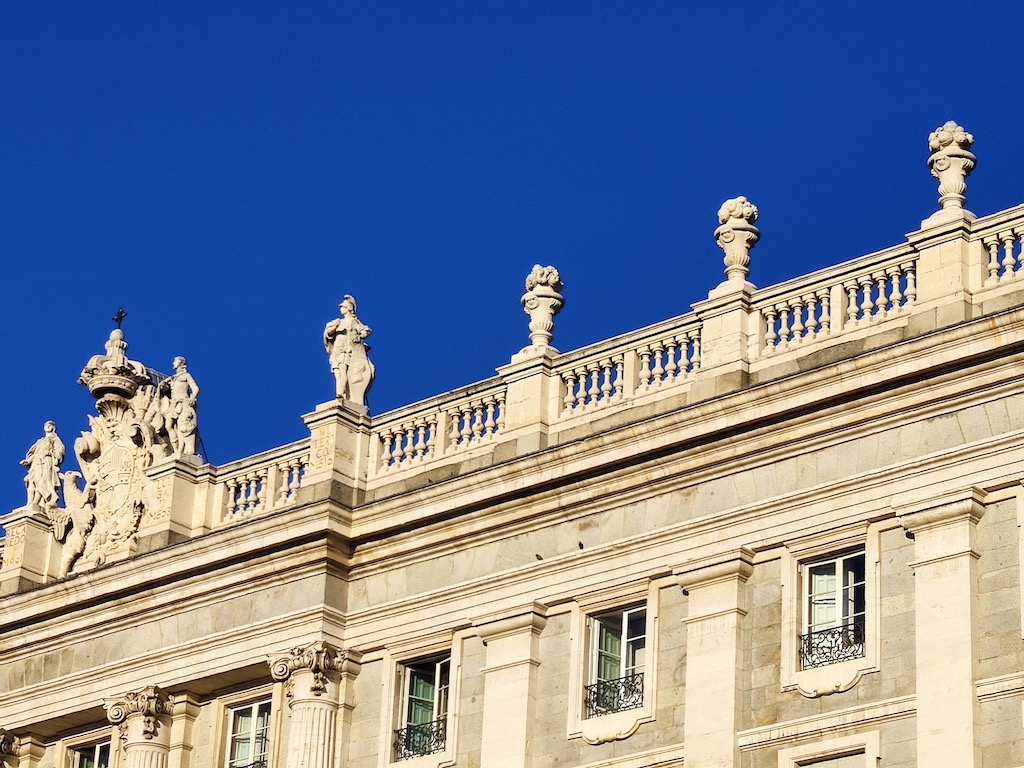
344, 339
179, 396
43, 461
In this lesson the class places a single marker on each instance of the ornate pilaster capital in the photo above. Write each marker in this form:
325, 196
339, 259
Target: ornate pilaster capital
951, 162
542, 301
319, 658
148, 703
8, 744
737, 235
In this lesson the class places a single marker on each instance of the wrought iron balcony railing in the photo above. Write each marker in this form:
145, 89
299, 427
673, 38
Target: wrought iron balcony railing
607, 696
423, 739
831, 646
257, 764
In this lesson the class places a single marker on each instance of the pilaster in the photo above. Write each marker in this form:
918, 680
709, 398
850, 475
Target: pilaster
313, 677
946, 611
339, 447
510, 674
948, 271
31, 555
184, 712
144, 722
717, 605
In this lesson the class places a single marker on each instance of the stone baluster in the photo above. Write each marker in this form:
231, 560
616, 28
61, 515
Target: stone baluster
387, 439
620, 365
658, 372
910, 270
569, 401
896, 295
467, 425
144, 721
671, 367
314, 676
770, 336
420, 446
784, 332
825, 312
645, 368
489, 422
594, 373
501, 411
951, 163
798, 320
867, 306
851, 303
992, 245
812, 317
883, 294
1009, 262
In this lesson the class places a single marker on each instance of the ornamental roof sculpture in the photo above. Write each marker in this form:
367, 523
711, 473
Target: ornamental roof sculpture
143, 418
345, 342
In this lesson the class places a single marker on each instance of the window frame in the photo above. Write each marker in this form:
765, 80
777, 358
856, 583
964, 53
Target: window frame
227, 703
74, 753
867, 744
642, 594
69, 748
254, 707
439, 668
396, 660
626, 672
798, 557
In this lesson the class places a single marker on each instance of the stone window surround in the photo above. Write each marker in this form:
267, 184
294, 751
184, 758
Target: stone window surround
617, 725
223, 705
67, 747
866, 744
449, 642
831, 678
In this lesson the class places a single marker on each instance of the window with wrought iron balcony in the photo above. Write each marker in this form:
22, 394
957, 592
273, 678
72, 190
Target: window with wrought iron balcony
618, 640
835, 610
424, 709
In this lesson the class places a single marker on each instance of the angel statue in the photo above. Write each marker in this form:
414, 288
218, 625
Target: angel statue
344, 340
43, 461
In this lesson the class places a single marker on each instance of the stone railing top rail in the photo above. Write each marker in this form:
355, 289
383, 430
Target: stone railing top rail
629, 340
986, 226
266, 457
437, 402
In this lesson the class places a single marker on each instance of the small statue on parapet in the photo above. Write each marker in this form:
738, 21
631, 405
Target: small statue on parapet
43, 462
344, 340
179, 395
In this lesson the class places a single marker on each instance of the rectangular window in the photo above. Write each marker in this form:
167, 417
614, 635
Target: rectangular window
618, 641
424, 708
91, 756
248, 735
834, 610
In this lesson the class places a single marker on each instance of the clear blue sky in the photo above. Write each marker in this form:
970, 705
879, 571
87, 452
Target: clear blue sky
227, 171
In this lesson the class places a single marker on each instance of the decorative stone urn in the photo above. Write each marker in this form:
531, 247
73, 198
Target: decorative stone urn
542, 301
737, 235
951, 162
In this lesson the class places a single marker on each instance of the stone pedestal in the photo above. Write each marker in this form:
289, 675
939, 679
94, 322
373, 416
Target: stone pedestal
314, 677
31, 555
948, 272
170, 507
509, 686
729, 330
339, 445
946, 611
144, 721
533, 400
717, 605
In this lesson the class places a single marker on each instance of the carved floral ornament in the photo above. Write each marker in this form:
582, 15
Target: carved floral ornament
149, 702
737, 235
319, 657
951, 162
542, 301
8, 744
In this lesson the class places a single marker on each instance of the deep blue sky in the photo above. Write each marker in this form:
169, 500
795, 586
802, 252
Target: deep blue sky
227, 171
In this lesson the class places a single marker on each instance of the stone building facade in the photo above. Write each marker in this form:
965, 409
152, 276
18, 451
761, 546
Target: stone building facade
781, 530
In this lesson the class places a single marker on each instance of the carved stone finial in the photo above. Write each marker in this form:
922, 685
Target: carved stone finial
114, 373
149, 703
344, 340
542, 301
951, 162
319, 658
737, 235
43, 461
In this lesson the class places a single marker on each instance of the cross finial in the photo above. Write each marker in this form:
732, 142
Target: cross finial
120, 316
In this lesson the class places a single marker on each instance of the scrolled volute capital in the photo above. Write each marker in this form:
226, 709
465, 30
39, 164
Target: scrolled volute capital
319, 658
150, 703
8, 744
737, 235
951, 162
